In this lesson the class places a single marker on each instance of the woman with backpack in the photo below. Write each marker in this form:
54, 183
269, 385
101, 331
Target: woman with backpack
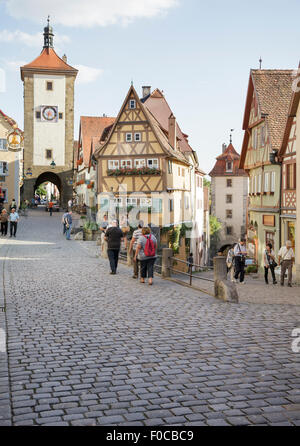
146, 254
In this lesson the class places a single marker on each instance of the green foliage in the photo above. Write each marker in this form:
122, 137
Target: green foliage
215, 225
176, 233
251, 269
90, 226
41, 191
206, 183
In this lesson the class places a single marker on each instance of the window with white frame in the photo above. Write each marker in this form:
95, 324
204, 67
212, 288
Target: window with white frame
113, 164
131, 201
118, 202
138, 137
3, 168
255, 184
229, 166
152, 163
273, 179
138, 163
128, 137
126, 164
186, 202
132, 104
3, 144
4, 194
267, 182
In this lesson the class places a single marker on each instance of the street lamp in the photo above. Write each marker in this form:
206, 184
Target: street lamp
53, 165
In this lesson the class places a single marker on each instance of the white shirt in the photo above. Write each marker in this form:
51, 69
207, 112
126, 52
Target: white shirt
240, 250
286, 254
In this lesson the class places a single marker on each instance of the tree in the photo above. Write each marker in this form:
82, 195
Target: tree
41, 191
206, 183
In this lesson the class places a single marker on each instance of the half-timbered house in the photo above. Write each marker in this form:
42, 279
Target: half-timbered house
289, 155
144, 172
266, 111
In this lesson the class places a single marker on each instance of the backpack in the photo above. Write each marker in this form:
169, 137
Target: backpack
149, 249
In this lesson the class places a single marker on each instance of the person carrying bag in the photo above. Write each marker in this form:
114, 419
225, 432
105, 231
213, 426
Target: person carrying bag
146, 254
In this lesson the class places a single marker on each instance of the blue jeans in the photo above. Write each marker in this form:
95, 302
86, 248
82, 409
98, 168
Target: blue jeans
68, 232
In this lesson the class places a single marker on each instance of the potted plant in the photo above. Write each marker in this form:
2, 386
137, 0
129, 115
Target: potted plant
87, 231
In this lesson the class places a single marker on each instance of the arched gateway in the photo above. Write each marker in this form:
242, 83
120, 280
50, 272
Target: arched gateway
48, 121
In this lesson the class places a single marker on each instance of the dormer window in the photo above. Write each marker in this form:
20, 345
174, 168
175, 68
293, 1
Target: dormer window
132, 104
229, 166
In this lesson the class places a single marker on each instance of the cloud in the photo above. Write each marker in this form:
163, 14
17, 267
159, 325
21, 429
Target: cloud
87, 75
32, 40
89, 13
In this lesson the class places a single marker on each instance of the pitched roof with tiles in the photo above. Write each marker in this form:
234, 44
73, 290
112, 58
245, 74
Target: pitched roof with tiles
157, 104
229, 155
10, 121
273, 90
48, 60
92, 126
293, 109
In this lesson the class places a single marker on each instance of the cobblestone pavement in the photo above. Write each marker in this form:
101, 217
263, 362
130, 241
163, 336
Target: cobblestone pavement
87, 348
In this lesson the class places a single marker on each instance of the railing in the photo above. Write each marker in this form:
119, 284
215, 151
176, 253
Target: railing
190, 268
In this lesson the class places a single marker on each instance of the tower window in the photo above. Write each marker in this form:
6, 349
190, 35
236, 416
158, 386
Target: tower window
128, 137
49, 86
60, 115
38, 115
48, 154
132, 104
229, 183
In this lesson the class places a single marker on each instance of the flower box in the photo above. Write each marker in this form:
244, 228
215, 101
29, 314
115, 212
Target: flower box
133, 172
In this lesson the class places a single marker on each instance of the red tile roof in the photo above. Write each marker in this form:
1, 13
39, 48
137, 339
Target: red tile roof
48, 60
92, 126
229, 155
9, 120
156, 103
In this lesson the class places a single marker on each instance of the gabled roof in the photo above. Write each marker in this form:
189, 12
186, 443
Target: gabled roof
48, 60
91, 126
273, 89
156, 128
157, 104
229, 155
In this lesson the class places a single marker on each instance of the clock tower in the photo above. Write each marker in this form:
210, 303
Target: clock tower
48, 121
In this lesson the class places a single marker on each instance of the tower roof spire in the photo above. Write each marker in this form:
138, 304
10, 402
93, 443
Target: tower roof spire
48, 35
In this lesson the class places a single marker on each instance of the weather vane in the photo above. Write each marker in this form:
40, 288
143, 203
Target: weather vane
231, 130
260, 62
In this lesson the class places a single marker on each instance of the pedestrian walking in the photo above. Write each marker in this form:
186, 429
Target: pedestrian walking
270, 263
124, 225
286, 259
13, 218
64, 220
190, 261
50, 207
132, 249
113, 236
13, 205
240, 253
146, 254
68, 225
230, 263
4, 222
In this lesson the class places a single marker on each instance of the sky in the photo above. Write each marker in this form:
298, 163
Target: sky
199, 53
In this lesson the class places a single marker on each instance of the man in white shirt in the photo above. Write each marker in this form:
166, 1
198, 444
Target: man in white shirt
286, 258
240, 253
13, 218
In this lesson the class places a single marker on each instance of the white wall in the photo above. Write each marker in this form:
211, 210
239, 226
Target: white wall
49, 135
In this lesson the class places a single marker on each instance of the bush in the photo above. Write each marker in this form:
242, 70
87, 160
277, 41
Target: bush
251, 269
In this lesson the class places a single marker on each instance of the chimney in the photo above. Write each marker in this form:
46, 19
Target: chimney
146, 91
224, 147
172, 132
64, 58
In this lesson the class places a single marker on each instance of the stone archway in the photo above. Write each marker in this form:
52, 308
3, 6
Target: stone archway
50, 177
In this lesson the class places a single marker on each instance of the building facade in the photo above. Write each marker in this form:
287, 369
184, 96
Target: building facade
145, 173
229, 194
289, 156
10, 164
266, 111
48, 120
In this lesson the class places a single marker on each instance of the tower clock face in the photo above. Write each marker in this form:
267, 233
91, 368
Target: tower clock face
49, 113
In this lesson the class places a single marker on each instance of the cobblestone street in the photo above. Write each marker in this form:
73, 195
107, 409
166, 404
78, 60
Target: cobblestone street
87, 348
